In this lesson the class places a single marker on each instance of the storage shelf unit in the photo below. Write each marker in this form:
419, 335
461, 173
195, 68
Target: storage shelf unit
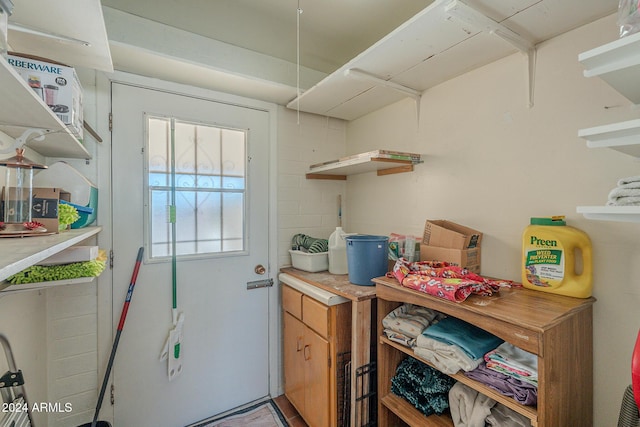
18, 253
21, 109
558, 331
618, 64
528, 411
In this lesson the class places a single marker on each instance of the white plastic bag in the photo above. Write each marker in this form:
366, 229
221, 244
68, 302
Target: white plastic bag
628, 17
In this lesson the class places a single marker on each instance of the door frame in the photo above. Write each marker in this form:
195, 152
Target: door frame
106, 329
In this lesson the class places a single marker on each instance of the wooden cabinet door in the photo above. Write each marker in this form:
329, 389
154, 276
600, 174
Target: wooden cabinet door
316, 357
294, 363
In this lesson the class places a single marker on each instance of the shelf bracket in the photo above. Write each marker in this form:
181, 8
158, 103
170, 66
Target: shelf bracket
482, 22
23, 139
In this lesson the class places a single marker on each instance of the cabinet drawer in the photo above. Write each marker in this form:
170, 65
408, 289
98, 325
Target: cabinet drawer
292, 301
316, 316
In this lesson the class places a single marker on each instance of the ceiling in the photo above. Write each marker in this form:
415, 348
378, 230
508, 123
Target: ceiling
284, 50
265, 49
331, 31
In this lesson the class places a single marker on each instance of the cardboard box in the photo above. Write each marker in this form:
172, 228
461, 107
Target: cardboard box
466, 258
44, 207
58, 86
447, 234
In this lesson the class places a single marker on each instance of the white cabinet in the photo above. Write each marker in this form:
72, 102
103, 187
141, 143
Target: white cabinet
618, 64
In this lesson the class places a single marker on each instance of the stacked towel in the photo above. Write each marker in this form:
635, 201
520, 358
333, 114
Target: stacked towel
424, 387
627, 193
474, 341
452, 345
405, 323
501, 416
468, 407
513, 361
521, 391
447, 358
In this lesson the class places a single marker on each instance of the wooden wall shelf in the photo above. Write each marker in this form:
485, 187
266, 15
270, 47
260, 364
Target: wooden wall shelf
362, 163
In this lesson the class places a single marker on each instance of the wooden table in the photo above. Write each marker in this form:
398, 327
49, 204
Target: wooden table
558, 329
361, 319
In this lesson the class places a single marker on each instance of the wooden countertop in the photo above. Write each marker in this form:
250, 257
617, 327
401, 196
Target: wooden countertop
337, 283
528, 308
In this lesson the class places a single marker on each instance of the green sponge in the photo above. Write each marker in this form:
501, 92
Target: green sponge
67, 215
46, 273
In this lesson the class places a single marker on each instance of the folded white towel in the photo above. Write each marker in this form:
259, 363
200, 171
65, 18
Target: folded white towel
627, 193
400, 338
501, 416
629, 180
623, 192
625, 201
447, 358
409, 319
468, 407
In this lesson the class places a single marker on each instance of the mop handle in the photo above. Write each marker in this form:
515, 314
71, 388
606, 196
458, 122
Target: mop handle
127, 300
123, 316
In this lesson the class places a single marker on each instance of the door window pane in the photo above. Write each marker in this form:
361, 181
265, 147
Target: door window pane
210, 184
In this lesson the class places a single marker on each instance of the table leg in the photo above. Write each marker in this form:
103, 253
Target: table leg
360, 356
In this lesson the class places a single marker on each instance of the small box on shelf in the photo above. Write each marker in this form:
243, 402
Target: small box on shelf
448, 234
466, 258
44, 205
57, 85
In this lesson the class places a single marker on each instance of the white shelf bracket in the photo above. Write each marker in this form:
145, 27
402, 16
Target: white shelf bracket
482, 22
21, 140
379, 81
26, 136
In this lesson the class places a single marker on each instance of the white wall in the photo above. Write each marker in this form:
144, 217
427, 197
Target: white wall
307, 206
491, 163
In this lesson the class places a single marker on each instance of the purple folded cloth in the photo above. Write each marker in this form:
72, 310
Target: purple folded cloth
523, 392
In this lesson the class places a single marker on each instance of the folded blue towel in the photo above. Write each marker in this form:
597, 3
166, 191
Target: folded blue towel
472, 340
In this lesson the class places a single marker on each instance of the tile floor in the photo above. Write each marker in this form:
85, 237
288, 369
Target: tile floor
293, 418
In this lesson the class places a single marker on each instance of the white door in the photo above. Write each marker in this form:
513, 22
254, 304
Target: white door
221, 197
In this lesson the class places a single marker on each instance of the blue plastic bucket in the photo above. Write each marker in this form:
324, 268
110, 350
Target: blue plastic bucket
367, 257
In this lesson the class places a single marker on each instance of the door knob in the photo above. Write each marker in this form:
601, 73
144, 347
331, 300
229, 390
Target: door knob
259, 269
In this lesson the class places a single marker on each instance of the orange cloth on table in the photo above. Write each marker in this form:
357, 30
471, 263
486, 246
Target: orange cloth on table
444, 280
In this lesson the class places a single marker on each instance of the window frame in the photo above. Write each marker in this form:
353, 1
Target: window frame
148, 188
